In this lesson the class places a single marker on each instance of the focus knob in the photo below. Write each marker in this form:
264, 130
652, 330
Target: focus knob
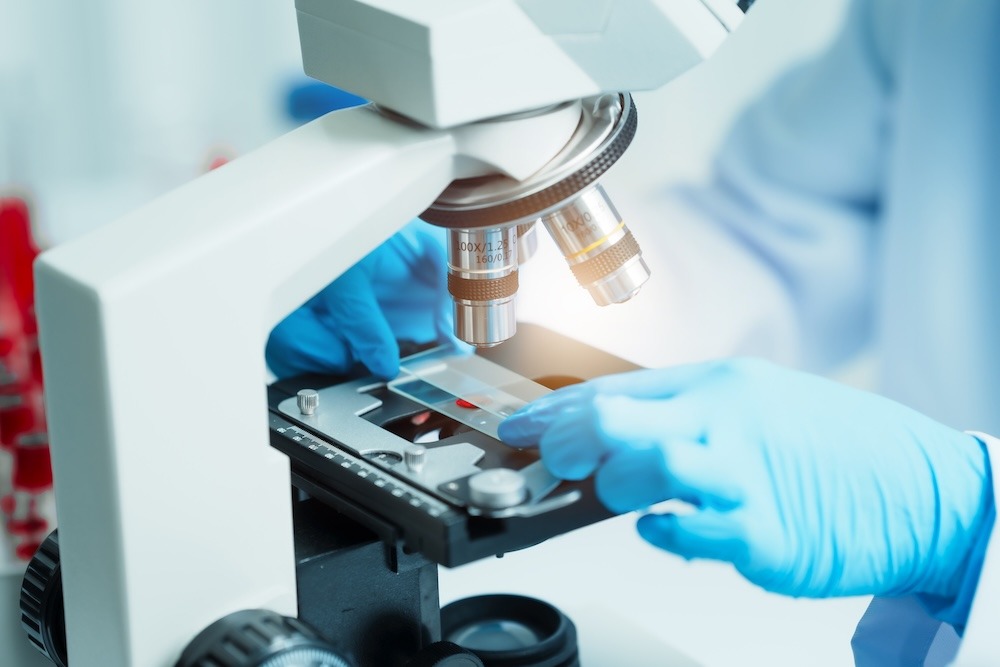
259, 638
42, 613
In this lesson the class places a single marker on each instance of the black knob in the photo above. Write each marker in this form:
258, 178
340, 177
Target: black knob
259, 638
745, 5
445, 654
42, 614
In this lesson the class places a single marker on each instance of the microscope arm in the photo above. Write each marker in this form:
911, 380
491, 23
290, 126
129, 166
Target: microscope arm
173, 508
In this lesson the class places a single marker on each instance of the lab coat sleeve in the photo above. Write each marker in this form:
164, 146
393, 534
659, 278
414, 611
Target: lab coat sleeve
980, 642
796, 188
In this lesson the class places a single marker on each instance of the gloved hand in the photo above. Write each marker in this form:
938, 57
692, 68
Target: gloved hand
399, 291
808, 487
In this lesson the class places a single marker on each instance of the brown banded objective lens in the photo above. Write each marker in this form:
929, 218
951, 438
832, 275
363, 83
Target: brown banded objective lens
482, 280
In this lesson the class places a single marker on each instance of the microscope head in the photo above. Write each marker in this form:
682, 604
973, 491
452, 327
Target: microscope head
465, 64
449, 62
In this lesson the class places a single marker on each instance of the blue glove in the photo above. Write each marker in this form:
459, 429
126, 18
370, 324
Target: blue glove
397, 292
808, 487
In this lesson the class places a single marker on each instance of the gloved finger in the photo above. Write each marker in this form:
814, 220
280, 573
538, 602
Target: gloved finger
349, 307
433, 261
633, 479
657, 382
419, 251
525, 427
704, 534
444, 313
571, 447
577, 430
586, 432
627, 420
433, 268
409, 275
636, 419
302, 344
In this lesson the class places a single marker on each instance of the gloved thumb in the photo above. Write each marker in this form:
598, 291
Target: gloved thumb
706, 533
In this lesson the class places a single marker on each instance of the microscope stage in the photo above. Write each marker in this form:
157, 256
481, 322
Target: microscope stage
424, 480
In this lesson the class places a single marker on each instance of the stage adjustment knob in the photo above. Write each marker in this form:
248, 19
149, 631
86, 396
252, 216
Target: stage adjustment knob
259, 638
307, 400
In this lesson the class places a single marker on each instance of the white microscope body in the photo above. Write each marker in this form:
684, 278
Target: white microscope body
173, 508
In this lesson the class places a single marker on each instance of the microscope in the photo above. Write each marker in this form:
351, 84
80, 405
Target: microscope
180, 539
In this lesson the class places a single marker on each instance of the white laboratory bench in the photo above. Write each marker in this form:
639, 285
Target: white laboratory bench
636, 605
632, 604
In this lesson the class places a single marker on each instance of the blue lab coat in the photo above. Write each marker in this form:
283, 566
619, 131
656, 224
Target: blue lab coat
855, 205
867, 184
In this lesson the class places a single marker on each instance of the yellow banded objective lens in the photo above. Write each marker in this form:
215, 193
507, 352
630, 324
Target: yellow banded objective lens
599, 248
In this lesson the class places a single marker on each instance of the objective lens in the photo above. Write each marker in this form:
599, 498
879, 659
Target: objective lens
482, 280
600, 250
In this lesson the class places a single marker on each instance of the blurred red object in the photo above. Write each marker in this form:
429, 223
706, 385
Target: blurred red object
23, 437
14, 362
18, 327
217, 162
32, 463
17, 255
15, 421
26, 550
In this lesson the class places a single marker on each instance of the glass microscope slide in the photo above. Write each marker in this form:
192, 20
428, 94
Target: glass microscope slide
467, 388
